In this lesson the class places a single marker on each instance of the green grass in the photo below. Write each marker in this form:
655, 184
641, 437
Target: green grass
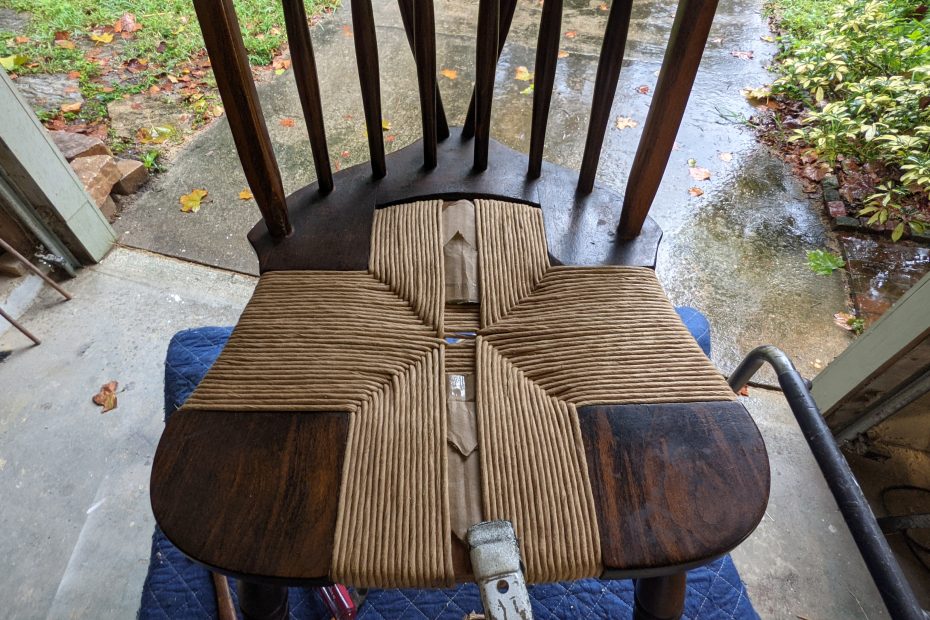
799, 19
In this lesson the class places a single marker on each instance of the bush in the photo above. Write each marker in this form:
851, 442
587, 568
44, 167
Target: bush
862, 73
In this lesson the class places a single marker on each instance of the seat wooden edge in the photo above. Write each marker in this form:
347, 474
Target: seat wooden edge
675, 485
332, 231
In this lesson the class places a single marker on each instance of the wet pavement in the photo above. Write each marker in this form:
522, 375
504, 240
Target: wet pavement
737, 252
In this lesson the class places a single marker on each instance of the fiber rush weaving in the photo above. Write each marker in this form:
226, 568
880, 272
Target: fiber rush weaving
459, 412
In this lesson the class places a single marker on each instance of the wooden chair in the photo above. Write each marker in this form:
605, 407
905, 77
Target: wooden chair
255, 494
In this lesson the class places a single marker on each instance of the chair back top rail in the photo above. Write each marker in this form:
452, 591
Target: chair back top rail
223, 40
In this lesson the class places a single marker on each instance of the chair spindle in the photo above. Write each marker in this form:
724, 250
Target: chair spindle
406, 15
485, 67
230, 62
366, 54
424, 44
605, 88
507, 8
547, 56
682, 57
308, 87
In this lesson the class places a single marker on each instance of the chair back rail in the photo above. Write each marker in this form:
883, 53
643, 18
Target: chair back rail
308, 88
679, 67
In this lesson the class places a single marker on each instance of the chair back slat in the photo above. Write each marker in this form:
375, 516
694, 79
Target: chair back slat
406, 15
424, 51
486, 55
605, 87
682, 57
506, 11
230, 63
308, 88
547, 55
366, 55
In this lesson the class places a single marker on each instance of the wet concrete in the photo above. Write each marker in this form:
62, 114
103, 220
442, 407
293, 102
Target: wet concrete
737, 252
880, 271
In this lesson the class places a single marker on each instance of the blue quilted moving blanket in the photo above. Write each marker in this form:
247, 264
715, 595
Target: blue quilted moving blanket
176, 588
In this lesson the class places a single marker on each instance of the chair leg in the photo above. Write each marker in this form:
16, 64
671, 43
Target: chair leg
660, 598
262, 602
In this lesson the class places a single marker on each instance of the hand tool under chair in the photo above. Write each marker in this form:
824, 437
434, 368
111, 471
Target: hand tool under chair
435, 342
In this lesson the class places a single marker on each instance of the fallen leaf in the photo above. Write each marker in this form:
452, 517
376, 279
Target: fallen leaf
10, 63
21, 40
62, 35
726, 156
217, 111
344, 154
190, 203
625, 122
603, 7
744, 391
695, 192
756, 96
155, 135
245, 194
64, 44
390, 138
747, 55
451, 74
385, 124
528, 90
523, 74
347, 31
286, 122
563, 54
768, 38
571, 34
698, 173
127, 23
106, 397
844, 320
642, 90
102, 38
154, 89
71, 107
74, 75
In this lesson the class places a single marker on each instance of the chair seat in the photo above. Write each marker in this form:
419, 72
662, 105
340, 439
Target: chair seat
357, 422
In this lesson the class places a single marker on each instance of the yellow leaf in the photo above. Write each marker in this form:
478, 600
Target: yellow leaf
450, 73
71, 107
190, 203
528, 90
523, 74
245, 195
625, 122
563, 54
64, 44
11, 62
103, 37
385, 124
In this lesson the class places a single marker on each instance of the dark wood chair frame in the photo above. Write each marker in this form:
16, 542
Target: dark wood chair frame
720, 489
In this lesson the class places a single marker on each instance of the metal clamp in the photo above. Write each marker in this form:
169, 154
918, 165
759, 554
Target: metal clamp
495, 560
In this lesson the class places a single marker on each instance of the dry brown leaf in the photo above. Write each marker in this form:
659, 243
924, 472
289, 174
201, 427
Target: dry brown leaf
127, 23
844, 320
725, 156
246, 194
190, 203
747, 55
71, 107
570, 34
563, 54
20, 40
744, 391
696, 192
698, 173
523, 74
286, 122
625, 122
347, 31
642, 90
64, 44
451, 74
603, 7
106, 397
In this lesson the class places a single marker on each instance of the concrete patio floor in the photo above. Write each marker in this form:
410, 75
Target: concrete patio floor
76, 519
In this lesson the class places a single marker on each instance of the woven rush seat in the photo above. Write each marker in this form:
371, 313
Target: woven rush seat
458, 412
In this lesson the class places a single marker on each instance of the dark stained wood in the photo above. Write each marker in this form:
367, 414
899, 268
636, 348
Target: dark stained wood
507, 8
366, 54
225, 609
262, 602
308, 88
334, 231
252, 494
682, 57
547, 55
486, 54
424, 49
605, 87
675, 485
230, 63
406, 15
659, 598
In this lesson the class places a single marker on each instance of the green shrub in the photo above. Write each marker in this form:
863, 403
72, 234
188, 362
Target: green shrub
863, 75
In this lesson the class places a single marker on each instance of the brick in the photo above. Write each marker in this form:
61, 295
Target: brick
99, 174
74, 145
133, 175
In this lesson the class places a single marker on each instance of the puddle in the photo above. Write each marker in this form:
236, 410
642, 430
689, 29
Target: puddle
880, 271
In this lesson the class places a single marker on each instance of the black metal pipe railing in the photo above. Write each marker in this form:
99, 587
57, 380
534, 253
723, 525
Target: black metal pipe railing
895, 591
